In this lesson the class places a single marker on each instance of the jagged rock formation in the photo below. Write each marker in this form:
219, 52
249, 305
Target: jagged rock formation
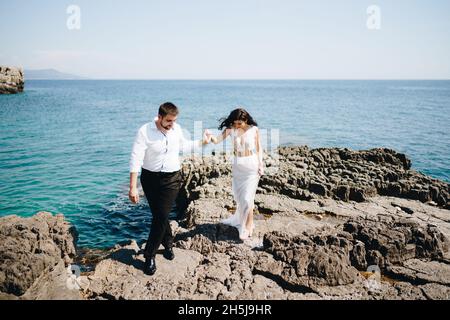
314, 241
31, 248
11, 80
330, 224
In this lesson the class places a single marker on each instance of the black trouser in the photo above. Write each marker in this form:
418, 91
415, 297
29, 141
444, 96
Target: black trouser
161, 190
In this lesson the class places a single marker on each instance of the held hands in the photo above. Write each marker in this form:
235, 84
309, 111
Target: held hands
211, 137
207, 136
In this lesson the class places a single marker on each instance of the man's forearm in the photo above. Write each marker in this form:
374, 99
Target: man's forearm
133, 180
202, 142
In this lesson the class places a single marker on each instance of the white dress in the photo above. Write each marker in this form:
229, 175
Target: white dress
245, 178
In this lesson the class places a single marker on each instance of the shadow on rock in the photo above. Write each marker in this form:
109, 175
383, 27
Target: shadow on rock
128, 256
214, 232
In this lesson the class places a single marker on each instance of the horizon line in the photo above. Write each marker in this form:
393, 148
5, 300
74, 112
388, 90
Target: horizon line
245, 79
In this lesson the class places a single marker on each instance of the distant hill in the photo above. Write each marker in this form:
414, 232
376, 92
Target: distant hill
49, 74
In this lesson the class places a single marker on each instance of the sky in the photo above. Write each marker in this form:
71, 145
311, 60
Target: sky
230, 39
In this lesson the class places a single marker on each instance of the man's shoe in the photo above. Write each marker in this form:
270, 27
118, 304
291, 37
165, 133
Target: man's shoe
168, 254
150, 266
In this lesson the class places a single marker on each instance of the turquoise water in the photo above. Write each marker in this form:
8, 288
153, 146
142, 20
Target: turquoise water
64, 145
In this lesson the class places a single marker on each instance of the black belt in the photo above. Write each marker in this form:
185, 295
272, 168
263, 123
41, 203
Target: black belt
160, 173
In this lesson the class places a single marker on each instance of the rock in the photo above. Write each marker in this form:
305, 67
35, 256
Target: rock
351, 176
302, 263
53, 285
421, 272
318, 188
121, 276
358, 256
203, 211
32, 246
343, 193
313, 249
357, 195
435, 291
397, 241
324, 219
406, 209
11, 80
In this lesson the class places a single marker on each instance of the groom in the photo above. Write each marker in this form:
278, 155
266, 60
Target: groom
156, 152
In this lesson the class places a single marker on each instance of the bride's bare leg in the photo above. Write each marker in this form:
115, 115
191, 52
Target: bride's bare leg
249, 223
247, 228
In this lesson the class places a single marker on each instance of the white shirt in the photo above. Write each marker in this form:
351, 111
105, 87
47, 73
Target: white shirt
159, 152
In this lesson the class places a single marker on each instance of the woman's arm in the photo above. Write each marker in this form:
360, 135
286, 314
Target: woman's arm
189, 146
225, 133
259, 152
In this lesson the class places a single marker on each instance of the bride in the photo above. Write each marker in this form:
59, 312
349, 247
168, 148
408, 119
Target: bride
247, 167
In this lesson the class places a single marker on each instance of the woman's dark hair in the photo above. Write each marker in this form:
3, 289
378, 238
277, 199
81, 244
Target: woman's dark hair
237, 114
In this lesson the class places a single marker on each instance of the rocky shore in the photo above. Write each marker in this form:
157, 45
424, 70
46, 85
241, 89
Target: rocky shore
34, 254
330, 224
11, 80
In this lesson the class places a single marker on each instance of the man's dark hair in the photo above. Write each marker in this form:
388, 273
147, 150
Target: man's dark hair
168, 108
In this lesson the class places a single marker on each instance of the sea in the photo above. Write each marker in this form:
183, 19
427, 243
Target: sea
65, 144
